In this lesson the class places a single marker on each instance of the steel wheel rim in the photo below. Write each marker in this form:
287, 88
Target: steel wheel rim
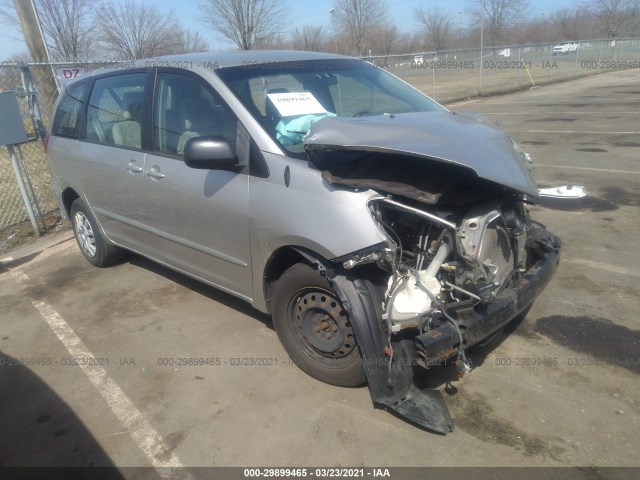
84, 234
318, 320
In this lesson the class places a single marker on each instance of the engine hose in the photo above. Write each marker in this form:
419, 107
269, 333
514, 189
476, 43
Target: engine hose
396, 263
438, 241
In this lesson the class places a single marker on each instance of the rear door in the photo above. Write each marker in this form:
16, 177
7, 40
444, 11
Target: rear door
200, 217
110, 159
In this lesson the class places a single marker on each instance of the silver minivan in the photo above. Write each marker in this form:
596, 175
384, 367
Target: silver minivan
383, 233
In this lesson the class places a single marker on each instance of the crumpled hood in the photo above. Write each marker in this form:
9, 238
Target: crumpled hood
442, 136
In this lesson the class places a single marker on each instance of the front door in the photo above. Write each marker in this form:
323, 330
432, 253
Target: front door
200, 217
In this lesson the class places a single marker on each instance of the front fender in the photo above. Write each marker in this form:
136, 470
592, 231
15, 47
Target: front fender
389, 387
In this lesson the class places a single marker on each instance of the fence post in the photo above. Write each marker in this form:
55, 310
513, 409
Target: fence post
575, 68
600, 52
433, 79
480, 78
33, 191
23, 189
518, 68
550, 62
620, 50
32, 98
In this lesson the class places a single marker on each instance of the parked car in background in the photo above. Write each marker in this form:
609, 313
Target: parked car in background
382, 232
565, 48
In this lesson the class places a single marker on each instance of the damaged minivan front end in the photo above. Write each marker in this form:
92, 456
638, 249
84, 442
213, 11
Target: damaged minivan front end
462, 257
392, 234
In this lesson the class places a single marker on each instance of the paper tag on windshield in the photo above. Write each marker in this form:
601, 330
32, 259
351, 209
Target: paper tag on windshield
297, 103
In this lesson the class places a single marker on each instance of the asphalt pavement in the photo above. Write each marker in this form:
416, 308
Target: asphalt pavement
96, 365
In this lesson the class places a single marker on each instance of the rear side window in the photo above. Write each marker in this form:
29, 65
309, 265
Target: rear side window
116, 111
65, 121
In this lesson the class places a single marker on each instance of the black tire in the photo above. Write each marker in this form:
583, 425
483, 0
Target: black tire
93, 245
314, 328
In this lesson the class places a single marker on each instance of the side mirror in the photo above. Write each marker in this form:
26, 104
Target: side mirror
209, 153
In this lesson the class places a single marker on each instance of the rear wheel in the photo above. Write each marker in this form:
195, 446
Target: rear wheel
315, 329
92, 244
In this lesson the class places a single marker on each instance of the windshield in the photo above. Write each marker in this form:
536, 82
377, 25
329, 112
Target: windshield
287, 98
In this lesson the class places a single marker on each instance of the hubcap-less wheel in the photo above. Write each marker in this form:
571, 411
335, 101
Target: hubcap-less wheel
85, 235
314, 328
321, 323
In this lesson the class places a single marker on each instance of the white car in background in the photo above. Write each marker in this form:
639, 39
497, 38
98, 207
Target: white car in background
565, 48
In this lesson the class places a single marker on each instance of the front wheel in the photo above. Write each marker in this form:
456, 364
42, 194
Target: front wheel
315, 329
92, 244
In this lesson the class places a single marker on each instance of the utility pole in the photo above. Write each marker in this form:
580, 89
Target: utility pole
34, 38
481, 46
332, 12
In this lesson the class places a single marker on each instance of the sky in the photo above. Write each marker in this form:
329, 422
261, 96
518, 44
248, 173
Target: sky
301, 12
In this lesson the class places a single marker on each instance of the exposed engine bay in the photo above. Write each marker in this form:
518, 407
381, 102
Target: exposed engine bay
461, 259
459, 243
458, 248
448, 259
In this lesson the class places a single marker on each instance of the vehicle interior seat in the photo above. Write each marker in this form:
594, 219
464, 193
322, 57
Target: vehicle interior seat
95, 129
173, 128
199, 119
129, 132
246, 97
319, 88
69, 118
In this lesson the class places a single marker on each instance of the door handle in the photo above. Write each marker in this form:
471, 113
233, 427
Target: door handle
133, 167
154, 172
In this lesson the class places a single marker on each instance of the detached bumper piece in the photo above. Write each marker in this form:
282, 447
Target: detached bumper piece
425, 408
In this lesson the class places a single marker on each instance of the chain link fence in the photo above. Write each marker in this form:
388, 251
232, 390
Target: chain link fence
32, 163
452, 75
445, 76
12, 209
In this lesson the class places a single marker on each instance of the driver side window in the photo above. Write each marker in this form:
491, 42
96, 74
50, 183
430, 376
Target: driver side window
186, 107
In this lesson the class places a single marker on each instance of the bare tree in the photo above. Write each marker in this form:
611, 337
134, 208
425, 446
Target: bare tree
573, 24
247, 23
68, 25
135, 30
280, 41
385, 40
437, 25
408, 42
498, 15
191, 41
617, 17
311, 38
10, 77
359, 19
565, 19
